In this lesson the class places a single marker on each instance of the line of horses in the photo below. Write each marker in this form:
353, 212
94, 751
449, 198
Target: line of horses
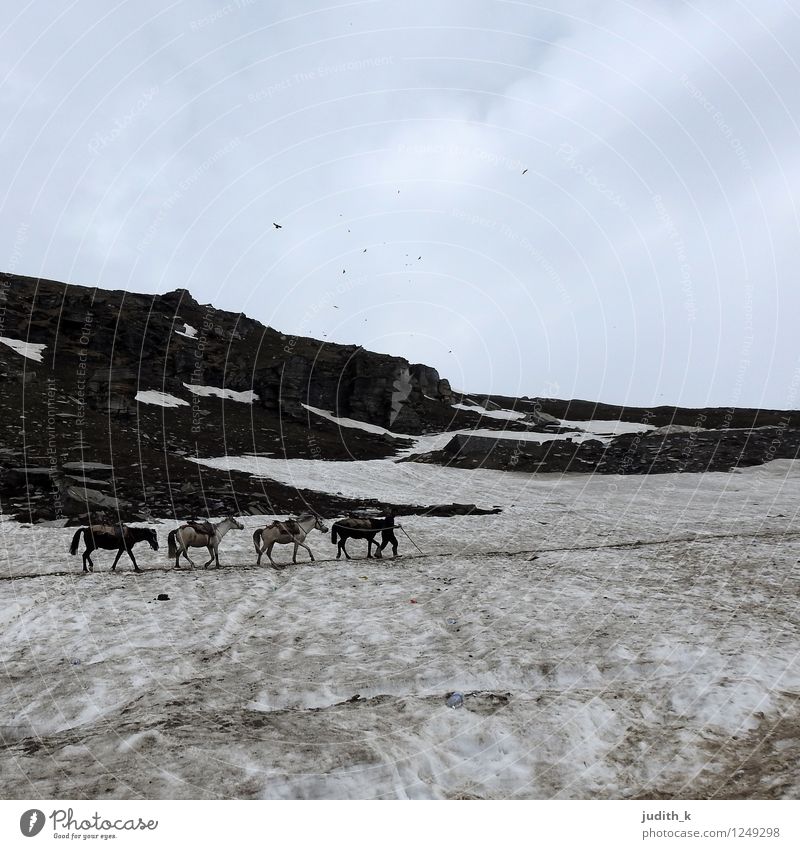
209, 536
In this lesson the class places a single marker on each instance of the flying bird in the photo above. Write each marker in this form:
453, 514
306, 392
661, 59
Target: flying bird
525, 171
277, 226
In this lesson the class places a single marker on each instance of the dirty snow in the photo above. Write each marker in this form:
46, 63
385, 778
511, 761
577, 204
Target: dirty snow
161, 399
246, 397
29, 350
649, 649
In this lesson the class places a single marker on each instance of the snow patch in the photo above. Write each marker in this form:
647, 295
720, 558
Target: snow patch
508, 415
246, 397
29, 350
161, 399
188, 331
605, 427
343, 421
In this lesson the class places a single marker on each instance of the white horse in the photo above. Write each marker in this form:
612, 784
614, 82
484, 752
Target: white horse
292, 530
199, 535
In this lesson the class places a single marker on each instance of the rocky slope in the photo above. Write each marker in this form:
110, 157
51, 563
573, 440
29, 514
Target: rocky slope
74, 438
107, 393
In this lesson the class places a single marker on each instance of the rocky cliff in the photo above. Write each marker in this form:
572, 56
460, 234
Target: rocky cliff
137, 383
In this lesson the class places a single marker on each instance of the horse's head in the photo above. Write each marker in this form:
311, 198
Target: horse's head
320, 525
152, 538
236, 523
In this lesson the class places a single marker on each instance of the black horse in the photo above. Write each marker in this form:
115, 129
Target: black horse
110, 537
366, 529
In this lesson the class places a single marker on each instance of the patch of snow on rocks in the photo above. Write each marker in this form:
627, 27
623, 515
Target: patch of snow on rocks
161, 399
188, 331
29, 350
605, 427
509, 415
246, 397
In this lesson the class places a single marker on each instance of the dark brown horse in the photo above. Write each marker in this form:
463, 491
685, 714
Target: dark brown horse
366, 529
110, 537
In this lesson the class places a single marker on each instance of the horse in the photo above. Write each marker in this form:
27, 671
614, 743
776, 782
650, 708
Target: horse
199, 535
365, 529
121, 537
293, 530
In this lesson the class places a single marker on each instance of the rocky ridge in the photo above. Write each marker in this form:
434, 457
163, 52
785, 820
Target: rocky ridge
75, 443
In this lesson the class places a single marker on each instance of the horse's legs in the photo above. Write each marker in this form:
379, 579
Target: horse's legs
342, 547
116, 559
186, 555
87, 556
211, 557
269, 554
389, 539
260, 549
129, 549
185, 552
294, 553
216, 553
298, 542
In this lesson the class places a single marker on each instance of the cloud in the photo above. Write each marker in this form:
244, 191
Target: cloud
646, 254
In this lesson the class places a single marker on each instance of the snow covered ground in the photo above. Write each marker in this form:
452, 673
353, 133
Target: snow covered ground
613, 637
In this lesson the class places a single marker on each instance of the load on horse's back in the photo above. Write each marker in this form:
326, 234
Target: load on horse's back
282, 533
200, 535
365, 528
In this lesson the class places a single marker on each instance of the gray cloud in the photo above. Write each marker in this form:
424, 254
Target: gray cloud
646, 256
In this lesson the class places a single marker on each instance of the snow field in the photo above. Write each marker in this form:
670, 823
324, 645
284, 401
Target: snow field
648, 649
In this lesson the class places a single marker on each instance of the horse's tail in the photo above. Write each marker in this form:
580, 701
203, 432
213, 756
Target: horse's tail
256, 536
172, 549
73, 549
334, 531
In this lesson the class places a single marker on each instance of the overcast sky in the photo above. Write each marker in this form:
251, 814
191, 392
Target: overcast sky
648, 254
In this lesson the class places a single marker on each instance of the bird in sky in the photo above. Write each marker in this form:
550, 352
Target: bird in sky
525, 171
277, 226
